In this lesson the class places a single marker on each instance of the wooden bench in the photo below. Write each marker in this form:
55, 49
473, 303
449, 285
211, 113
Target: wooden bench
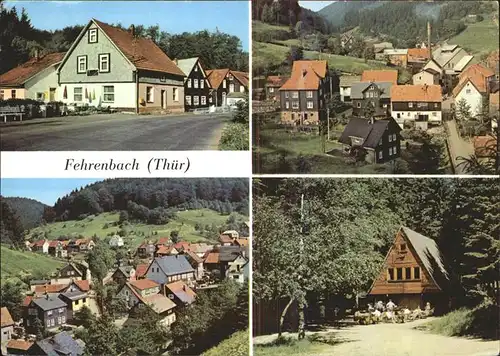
11, 111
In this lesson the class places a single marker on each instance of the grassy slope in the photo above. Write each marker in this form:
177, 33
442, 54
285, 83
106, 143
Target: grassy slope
14, 262
236, 345
95, 225
480, 37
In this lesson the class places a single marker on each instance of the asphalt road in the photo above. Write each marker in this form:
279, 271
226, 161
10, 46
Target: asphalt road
114, 132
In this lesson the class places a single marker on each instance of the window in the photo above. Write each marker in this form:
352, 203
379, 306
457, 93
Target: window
32, 311
310, 105
422, 105
394, 137
224, 83
84, 300
410, 105
295, 105
390, 138
390, 274
399, 274
358, 104
48, 323
231, 87
195, 83
59, 320
210, 99
176, 94
77, 302
434, 113
61, 310
395, 149
380, 155
384, 105
109, 93
203, 100
49, 312
189, 83
467, 91
436, 105
295, 95
104, 63
408, 273
63, 318
271, 90
287, 94
230, 76
78, 94
196, 100
242, 89
202, 83
13, 93
287, 105
81, 64
188, 99
398, 115
309, 94
196, 68
40, 96
390, 151
52, 322
416, 272
93, 35
1, 94
149, 94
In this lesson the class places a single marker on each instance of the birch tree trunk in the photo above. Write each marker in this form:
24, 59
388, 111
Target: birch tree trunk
282, 317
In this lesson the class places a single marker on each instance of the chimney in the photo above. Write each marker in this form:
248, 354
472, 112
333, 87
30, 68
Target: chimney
132, 30
184, 287
429, 39
47, 296
176, 61
304, 72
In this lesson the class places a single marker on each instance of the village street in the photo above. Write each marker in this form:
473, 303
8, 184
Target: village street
458, 147
398, 339
115, 132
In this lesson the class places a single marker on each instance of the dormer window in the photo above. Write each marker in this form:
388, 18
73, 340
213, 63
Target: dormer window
93, 35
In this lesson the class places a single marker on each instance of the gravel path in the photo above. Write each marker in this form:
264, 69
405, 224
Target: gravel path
400, 340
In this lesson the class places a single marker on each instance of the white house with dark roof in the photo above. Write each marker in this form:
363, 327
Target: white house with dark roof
110, 67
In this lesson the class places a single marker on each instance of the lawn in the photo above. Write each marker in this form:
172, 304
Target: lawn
260, 27
478, 38
314, 344
236, 345
14, 263
105, 224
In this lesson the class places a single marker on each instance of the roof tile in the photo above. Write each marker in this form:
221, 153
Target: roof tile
20, 74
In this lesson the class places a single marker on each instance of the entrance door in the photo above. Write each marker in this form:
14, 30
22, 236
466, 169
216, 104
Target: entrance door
163, 97
52, 94
223, 99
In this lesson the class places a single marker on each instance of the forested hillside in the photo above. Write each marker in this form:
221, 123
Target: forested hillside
30, 211
335, 12
405, 23
152, 200
19, 40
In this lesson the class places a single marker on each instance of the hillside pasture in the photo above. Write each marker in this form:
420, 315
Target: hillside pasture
478, 38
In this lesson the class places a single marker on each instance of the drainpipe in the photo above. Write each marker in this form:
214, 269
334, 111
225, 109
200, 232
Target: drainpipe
137, 91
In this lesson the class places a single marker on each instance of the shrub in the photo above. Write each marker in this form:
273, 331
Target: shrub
235, 137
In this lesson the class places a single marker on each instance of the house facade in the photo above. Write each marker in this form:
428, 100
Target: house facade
75, 301
180, 293
196, 84
346, 83
474, 87
419, 105
426, 76
71, 271
413, 273
235, 269
169, 269
123, 274
303, 96
35, 79
380, 139
40, 246
371, 99
6, 324
146, 249
224, 82
272, 86
110, 67
57, 249
51, 311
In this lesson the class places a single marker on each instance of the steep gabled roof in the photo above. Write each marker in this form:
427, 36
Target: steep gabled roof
62, 344
429, 254
380, 76
18, 344
416, 93
182, 291
276, 80
142, 284
49, 302
358, 89
6, 318
172, 265
216, 76
418, 54
306, 75
370, 133
242, 77
187, 64
22, 73
141, 270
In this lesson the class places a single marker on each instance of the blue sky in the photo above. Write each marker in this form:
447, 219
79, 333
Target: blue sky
314, 5
173, 16
44, 190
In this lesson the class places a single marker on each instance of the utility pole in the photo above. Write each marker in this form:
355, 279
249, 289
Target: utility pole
301, 306
328, 123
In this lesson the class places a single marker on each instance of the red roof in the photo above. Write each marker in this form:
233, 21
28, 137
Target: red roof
416, 93
276, 80
164, 250
163, 241
142, 284
216, 76
476, 69
380, 76
142, 52
19, 75
485, 146
182, 245
39, 243
306, 75
53, 243
418, 54
225, 238
19, 344
212, 257
84, 285
141, 270
194, 257
6, 318
241, 76
27, 300
50, 288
